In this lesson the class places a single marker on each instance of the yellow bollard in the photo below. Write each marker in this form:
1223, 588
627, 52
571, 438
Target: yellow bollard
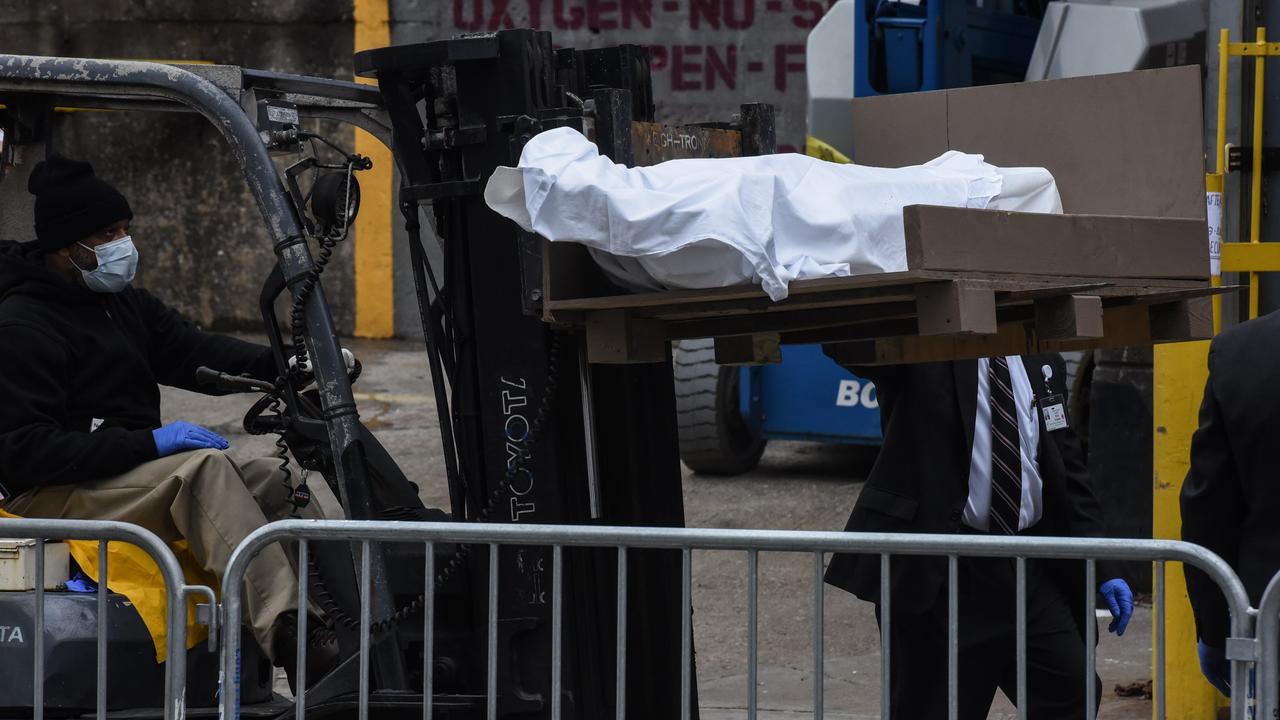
1179, 375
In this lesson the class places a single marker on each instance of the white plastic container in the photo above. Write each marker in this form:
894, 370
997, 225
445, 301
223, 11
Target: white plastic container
18, 564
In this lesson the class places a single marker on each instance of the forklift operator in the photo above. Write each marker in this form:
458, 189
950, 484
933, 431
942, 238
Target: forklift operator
81, 355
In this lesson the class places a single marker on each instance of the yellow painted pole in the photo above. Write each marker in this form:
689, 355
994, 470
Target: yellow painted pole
1224, 58
1255, 205
1180, 372
1218, 182
374, 280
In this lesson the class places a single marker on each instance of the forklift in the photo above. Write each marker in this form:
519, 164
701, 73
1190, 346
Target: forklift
515, 394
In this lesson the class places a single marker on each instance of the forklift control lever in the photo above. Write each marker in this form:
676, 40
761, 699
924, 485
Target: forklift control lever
230, 383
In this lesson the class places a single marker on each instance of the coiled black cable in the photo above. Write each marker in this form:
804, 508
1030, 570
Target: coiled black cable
299, 495
282, 450
297, 313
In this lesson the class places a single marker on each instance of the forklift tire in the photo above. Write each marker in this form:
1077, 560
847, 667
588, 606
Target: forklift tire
714, 438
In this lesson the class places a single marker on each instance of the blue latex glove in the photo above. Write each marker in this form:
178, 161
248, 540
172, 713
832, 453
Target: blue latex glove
81, 583
181, 436
1215, 667
1120, 599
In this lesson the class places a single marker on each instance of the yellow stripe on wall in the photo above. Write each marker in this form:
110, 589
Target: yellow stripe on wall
375, 287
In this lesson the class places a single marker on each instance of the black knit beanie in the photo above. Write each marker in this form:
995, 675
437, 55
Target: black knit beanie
72, 203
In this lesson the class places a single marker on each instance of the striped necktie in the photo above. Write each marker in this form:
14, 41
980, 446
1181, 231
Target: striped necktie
1006, 459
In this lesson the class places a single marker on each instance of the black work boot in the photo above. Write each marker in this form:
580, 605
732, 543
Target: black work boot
322, 648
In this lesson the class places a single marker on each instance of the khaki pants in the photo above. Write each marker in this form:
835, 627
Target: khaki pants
211, 500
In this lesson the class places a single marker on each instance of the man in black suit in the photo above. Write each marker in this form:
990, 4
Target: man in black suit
980, 447
1231, 500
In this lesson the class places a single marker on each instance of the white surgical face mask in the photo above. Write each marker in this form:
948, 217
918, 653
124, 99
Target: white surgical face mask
117, 262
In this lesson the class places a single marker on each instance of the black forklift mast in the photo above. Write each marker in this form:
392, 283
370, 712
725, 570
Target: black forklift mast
520, 440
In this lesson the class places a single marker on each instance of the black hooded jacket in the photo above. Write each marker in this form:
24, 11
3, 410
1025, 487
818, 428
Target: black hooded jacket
79, 373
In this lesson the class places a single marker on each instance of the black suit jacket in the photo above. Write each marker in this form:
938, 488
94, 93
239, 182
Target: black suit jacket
920, 481
1231, 497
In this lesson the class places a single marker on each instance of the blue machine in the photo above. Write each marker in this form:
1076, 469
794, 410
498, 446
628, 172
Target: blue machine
809, 397
727, 415
905, 47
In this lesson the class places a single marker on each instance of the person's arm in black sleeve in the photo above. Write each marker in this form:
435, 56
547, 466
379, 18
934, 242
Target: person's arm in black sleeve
36, 446
1212, 511
1084, 511
178, 348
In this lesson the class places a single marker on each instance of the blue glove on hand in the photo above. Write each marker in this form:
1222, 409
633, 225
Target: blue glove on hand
1120, 599
1215, 667
181, 436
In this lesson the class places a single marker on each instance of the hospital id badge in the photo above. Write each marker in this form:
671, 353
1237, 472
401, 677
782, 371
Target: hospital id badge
1054, 412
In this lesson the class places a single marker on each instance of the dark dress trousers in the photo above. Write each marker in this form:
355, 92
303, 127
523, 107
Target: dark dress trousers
920, 484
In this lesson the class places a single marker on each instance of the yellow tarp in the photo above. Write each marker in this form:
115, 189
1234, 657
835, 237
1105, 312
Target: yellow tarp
813, 147
132, 573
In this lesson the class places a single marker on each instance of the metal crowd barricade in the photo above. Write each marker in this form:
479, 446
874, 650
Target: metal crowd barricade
751, 542
176, 592
1268, 686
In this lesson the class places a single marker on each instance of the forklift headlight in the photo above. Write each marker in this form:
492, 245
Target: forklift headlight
332, 204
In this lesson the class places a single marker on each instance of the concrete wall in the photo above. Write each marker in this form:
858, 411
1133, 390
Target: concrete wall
200, 236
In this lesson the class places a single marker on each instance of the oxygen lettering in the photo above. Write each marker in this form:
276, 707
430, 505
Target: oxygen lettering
500, 17
684, 75
568, 18
813, 9
735, 14
783, 65
726, 68
460, 19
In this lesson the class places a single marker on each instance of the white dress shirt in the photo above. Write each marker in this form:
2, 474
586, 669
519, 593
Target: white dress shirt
978, 508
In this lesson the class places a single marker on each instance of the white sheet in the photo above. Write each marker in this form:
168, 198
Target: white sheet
766, 220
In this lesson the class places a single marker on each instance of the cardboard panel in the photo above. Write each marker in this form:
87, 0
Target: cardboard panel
962, 240
1121, 144
897, 130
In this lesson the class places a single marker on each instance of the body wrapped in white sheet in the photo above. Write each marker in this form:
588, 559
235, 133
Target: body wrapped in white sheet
718, 222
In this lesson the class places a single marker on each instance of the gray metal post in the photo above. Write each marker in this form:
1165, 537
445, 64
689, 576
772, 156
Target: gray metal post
300, 699
102, 630
1021, 630
886, 614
